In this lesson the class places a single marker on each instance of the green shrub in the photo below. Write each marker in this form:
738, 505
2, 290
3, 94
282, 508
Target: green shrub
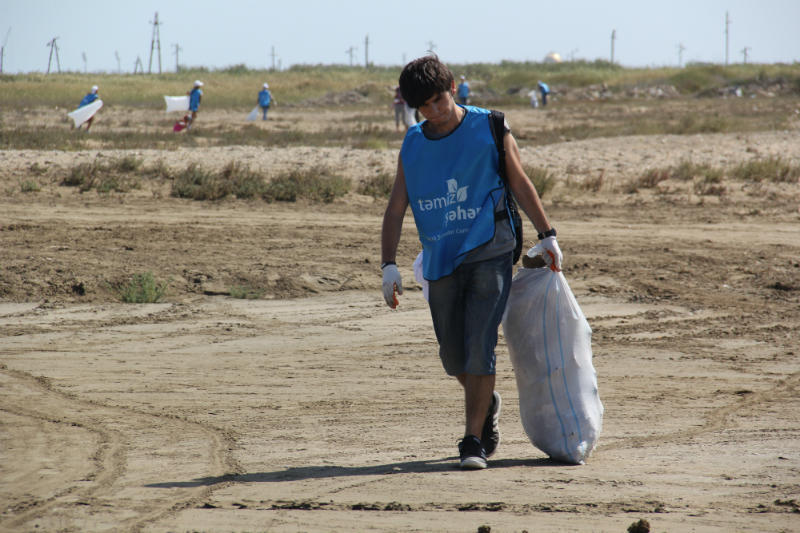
142, 288
126, 164
158, 169
652, 177
773, 168
29, 186
81, 174
198, 183
316, 184
246, 293
543, 181
378, 186
685, 171
103, 177
242, 181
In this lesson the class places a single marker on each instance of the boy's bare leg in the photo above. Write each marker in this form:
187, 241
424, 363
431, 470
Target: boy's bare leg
477, 398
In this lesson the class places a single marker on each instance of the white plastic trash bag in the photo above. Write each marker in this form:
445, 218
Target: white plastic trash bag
177, 103
82, 114
549, 341
419, 277
253, 114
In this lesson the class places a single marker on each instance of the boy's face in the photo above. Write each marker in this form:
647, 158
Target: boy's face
440, 108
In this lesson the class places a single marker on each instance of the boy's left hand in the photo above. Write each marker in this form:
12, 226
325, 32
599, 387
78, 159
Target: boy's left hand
552, 253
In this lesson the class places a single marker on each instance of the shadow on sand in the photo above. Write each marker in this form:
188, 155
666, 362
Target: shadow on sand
330, 471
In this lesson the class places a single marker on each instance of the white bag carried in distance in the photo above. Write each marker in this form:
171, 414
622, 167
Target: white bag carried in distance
549, 342
82, 114
177, 103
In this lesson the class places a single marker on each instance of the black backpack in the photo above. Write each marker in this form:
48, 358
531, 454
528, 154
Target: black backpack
497, 123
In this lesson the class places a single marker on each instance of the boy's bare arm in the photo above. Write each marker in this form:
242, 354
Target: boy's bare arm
393, 216
521, 186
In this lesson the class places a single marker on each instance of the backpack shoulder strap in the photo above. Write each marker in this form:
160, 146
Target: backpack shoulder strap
497, 121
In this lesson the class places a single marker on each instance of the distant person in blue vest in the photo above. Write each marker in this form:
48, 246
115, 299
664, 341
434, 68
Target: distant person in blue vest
544, 90
463, 91
90, 97
448, 173
195, 95
265, 100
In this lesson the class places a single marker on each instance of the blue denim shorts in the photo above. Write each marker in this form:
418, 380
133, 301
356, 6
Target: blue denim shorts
467, 307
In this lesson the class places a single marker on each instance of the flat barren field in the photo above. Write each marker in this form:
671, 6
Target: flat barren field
271, 389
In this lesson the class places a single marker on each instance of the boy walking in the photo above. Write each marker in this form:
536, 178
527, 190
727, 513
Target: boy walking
448, 172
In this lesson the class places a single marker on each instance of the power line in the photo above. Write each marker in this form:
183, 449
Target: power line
155, 42
53, 47
351, 52
3, 49
613, 38
177, 52
727, 35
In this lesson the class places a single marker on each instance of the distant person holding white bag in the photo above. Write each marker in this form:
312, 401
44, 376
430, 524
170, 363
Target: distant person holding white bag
195, 96
90, 97
265, 100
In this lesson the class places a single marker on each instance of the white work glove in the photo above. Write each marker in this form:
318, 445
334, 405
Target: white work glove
550, 252
391, 282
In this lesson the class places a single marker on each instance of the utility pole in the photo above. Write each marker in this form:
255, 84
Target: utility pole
155, 42
119, 68
138, 66
3, 49
53, 47
681, 48
727, 35
177, 61
613, 38
744, 52
351, 52
273, 58
431, 46
572, 54
83, 55
366, 51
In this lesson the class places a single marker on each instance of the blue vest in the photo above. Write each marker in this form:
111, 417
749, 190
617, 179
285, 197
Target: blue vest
88, 99
453, 186
194, 99
264, 98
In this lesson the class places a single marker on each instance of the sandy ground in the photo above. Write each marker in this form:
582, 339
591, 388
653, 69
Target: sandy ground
316, 408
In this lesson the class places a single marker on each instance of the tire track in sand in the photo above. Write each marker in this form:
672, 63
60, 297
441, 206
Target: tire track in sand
112, 484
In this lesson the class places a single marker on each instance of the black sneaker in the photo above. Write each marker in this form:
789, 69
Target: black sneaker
490, 436
472, 455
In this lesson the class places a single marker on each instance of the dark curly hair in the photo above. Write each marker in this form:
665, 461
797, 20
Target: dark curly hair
423, 78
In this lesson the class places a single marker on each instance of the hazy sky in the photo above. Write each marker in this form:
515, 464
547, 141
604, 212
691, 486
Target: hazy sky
217, 34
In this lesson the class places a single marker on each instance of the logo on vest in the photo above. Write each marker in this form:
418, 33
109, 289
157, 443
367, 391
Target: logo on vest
455, 195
